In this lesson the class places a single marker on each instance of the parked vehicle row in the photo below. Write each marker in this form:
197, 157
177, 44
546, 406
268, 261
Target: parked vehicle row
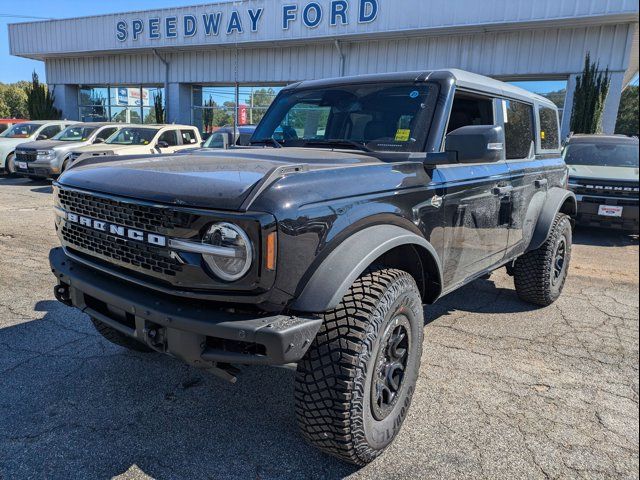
42, 149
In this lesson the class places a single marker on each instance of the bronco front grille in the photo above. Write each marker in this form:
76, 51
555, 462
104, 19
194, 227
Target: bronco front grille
115, 250
143, 217
603, 188
120, 251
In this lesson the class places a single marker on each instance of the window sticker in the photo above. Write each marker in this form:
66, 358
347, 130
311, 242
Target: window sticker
402, 135
542, 134
414, 94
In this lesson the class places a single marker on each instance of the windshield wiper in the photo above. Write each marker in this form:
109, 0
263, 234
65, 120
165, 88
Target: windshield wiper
340, 142
270, 140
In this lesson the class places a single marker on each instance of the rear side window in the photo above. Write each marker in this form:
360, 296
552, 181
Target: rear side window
518, 129
549, 136
106, 133
170, 137
188, 136
51, 131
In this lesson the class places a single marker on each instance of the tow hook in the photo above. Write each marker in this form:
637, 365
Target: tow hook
62, 294
156, 337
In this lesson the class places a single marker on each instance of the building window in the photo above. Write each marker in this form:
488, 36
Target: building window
120, 103
518, 129
549, 131
213, 107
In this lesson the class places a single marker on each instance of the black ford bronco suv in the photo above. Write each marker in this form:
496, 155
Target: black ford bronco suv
360, 200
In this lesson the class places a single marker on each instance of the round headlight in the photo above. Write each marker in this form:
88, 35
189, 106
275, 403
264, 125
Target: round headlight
233, 257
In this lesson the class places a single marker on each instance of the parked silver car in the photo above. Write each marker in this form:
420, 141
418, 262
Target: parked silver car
48, 158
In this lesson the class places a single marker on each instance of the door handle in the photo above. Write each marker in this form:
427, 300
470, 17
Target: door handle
541, 182
503, 190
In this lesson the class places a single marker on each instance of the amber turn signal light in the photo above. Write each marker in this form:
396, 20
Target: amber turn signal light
271, 251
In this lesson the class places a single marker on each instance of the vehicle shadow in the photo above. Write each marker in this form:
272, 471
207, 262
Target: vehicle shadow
602, 237
480, 296
47, 188
72, 402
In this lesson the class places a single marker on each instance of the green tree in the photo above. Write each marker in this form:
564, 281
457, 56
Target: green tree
40, 101
592, 87
158, 108
259, 102
15, 99
627, 123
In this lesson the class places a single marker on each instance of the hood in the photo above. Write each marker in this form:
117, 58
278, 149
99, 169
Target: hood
42, 144
596, 172
218, 179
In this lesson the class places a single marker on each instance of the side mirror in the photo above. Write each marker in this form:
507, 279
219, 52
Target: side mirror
162, 144
99, 140
42, 137
476, 144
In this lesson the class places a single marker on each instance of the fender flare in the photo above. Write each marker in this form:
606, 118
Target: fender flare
556, 200
337, 272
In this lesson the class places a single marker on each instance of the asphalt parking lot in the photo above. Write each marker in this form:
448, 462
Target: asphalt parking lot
505, 390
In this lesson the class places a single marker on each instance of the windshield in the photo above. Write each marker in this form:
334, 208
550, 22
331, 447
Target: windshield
132, 136
602, 154
74, 134
22, 130
378, 117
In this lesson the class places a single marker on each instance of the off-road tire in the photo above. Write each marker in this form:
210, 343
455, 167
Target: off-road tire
118, 338
534, 273
334, 381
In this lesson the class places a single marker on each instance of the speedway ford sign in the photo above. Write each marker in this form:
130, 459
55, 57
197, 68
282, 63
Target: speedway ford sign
240, 20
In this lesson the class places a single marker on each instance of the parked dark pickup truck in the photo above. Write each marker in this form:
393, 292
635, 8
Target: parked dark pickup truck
363, 199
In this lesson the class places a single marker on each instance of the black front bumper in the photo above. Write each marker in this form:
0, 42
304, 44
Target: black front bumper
588, 213
200, 333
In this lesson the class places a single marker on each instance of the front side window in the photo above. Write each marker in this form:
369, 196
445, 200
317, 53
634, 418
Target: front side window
518, 129
22, 130
549, 132
601, 154
74, 134
132, 136
50, 131
378, 117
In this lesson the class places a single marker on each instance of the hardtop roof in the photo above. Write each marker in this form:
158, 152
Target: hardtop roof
462, 78
604, 139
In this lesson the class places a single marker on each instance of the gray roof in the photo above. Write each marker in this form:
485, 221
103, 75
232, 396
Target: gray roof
462, 78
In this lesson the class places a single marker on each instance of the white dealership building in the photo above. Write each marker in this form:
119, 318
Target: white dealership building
229, 58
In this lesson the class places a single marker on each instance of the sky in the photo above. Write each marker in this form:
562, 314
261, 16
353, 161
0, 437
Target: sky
13, 69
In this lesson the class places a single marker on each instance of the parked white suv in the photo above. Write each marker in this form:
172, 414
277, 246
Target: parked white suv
143, 139
26, 132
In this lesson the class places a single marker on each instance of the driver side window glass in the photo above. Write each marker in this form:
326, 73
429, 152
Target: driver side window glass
304, 120
470, 109
170, 137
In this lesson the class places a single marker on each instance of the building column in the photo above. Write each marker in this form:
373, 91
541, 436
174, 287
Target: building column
565, 128
612, 103
66, 100
178, 103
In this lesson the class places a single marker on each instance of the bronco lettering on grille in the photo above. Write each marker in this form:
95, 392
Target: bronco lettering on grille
118, 230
